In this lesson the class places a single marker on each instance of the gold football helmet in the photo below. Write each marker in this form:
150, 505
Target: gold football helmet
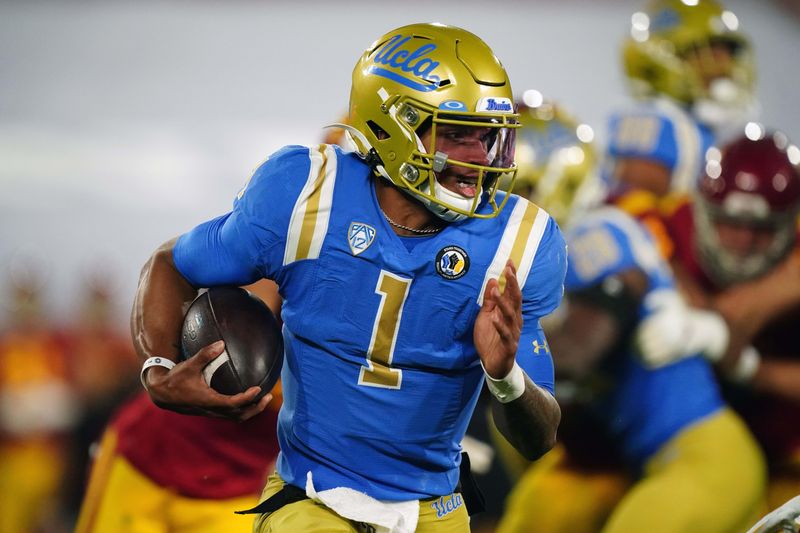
412, 81
673, 50
555, 157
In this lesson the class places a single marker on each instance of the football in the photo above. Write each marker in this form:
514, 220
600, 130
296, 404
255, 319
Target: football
253, 353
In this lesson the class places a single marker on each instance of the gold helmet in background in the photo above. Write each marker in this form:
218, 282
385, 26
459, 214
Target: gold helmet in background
422, 76
555, 157
673, 50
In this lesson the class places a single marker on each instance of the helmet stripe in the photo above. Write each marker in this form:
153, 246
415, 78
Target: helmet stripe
394, 76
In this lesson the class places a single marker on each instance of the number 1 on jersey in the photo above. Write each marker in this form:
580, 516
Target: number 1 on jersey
378, 372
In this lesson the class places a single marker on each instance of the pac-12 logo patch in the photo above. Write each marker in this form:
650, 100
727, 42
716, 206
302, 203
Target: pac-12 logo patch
360, 237
452, 262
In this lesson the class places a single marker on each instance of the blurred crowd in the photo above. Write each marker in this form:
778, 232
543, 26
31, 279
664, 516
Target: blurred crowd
59, 383
676, 356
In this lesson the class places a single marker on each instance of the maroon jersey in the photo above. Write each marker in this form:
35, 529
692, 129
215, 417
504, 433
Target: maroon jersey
773, 420
198, 457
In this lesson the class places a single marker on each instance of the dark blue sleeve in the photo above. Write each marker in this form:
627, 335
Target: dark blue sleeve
247, 243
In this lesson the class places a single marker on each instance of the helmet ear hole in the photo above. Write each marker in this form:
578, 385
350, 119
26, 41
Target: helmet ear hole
379, 132
424, 126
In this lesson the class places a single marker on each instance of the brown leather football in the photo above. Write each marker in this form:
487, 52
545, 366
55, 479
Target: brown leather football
253, 353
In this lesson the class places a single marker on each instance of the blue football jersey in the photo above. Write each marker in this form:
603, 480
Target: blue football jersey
643, 407
660, 131
381, 374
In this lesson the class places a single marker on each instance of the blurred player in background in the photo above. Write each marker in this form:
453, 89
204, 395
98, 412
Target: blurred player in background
691, 70
404, 271
158, 471
556, 159
104, 374
38, 407
656, 449
556, 163
737, 251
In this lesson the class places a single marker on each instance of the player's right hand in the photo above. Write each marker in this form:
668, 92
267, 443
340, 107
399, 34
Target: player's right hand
183, 389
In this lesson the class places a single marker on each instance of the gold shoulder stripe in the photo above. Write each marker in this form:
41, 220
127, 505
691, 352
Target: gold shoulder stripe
519, 243
311, 213
521, 239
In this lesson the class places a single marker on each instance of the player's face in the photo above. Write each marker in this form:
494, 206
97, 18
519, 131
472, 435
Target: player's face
468, 144
711, 62
744, 240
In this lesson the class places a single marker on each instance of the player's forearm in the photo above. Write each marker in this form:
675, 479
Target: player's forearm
779, 377
530, 422
751, 305
159, 304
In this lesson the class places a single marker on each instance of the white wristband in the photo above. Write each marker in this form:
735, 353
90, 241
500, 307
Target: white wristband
508, 388
747, 365
155, 361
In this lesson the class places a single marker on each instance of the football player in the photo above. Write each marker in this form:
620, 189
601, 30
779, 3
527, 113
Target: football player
156, 470
690, 68
645, 446
556, 158
737, 252
408, 277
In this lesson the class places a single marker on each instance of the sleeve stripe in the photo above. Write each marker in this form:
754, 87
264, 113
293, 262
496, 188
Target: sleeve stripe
312, 211
689, 143
519, 242
525, 263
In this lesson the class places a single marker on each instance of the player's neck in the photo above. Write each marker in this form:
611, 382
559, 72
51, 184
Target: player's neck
406, 216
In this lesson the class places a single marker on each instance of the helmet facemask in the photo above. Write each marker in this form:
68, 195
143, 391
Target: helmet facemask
722, 88
422, 172
748, 200
727, 267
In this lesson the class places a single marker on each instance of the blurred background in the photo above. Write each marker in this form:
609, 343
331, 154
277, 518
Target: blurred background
123, 124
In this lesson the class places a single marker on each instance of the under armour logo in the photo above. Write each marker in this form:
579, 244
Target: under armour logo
543, 346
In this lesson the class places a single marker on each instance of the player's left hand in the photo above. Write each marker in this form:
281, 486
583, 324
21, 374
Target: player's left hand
499, 325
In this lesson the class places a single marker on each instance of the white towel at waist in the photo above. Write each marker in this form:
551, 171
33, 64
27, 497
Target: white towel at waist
386, 517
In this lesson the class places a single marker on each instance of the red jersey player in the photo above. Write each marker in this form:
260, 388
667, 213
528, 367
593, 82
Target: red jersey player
737, 250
